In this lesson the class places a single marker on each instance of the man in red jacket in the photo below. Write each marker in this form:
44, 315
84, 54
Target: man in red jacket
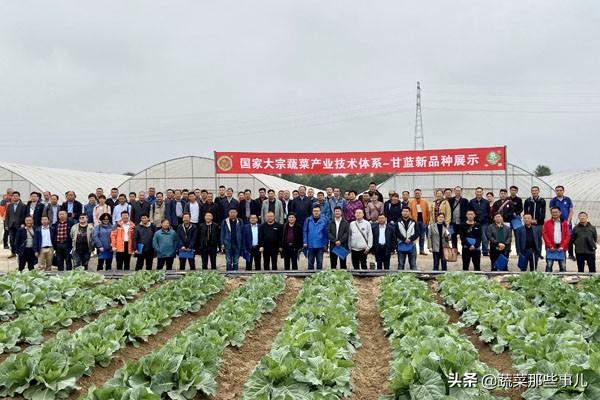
556, 238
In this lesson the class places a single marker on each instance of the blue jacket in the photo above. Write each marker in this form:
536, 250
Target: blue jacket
325, 210
481, 209
101, 236
88, 210
247, 236
165, 243
315, 233
521, 239
226, 234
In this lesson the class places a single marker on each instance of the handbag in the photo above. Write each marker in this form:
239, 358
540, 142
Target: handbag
450, 254
501, 263
405, 247
516, 223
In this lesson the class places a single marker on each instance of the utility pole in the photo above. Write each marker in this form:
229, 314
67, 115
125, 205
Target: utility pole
419, 139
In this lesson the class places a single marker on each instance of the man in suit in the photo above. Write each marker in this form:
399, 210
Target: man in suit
500, 237
247, 207
51, 209
529, 243
337, 232
384, 242
140, 207
174, 209
72, 206
15, 218
35, 209
458, 214
250, 243
301, 205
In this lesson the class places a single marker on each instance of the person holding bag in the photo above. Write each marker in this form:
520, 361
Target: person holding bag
439, 238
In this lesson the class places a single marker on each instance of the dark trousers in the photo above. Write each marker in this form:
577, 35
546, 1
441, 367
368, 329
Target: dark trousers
5, 237
438, 258
583, 258
62, 251
454, 236
382, 257
334, 259
12, 234
290, 257
146, 257
270, 257
81, 257
255, 257
209, 253
494, 254
469, 256
102, 263
27, 258
532, 259
123, 258
165, 260
191, 261
359, 259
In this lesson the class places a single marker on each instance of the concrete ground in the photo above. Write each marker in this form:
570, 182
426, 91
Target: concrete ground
424, 263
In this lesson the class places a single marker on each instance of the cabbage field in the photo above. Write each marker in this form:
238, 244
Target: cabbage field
328, 336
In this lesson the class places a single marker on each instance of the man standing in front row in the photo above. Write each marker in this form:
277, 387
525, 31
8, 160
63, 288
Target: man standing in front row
529, 243
556, 239
231, 239
269, 240
315, 238
338, 232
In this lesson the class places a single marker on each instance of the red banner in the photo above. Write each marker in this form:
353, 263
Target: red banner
447, 160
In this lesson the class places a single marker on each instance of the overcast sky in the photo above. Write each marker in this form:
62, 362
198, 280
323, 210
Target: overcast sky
117, 86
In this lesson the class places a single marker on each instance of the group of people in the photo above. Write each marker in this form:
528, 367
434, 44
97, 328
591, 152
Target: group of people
183, 224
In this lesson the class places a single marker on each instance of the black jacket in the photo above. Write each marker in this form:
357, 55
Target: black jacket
518, 205
15, 218
507, 211
37, 213
21, 240
464, 207
584, 238
390, 238
254, 209
342, 235
144, 235
537, 209
481, 210
214, 209
302, 208
269, 236
401, 237
209, 236
297, 236
187, 239
474, 231
138, 209
393, 212
77, 210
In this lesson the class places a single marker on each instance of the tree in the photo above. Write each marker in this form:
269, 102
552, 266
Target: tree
542, 170
128, 173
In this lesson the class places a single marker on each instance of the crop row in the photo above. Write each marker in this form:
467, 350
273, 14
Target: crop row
29, 326
562, 299
20, 291
426, 349
52, 370
539, 342
189, 363
311, 357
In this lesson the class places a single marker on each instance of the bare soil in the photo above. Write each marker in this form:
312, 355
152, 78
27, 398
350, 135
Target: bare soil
502, 362
238, 363
100, 375
370, 375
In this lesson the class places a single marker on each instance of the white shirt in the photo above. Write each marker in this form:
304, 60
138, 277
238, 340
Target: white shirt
557, 232
382, 234
254, 229
419, 208
337, 226
119, 208
46, 238
126, 231
194, 212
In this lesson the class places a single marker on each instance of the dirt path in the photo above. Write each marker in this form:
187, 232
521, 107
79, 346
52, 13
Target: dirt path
238, 363
502, 362
100, 375
370, 375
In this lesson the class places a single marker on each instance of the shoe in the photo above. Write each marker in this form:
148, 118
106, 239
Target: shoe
6, 247
541, 257
572, 258
486, 254
423, 253
12, 256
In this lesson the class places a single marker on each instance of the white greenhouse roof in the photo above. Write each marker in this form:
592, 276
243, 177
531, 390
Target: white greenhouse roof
579, 185
58, 181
